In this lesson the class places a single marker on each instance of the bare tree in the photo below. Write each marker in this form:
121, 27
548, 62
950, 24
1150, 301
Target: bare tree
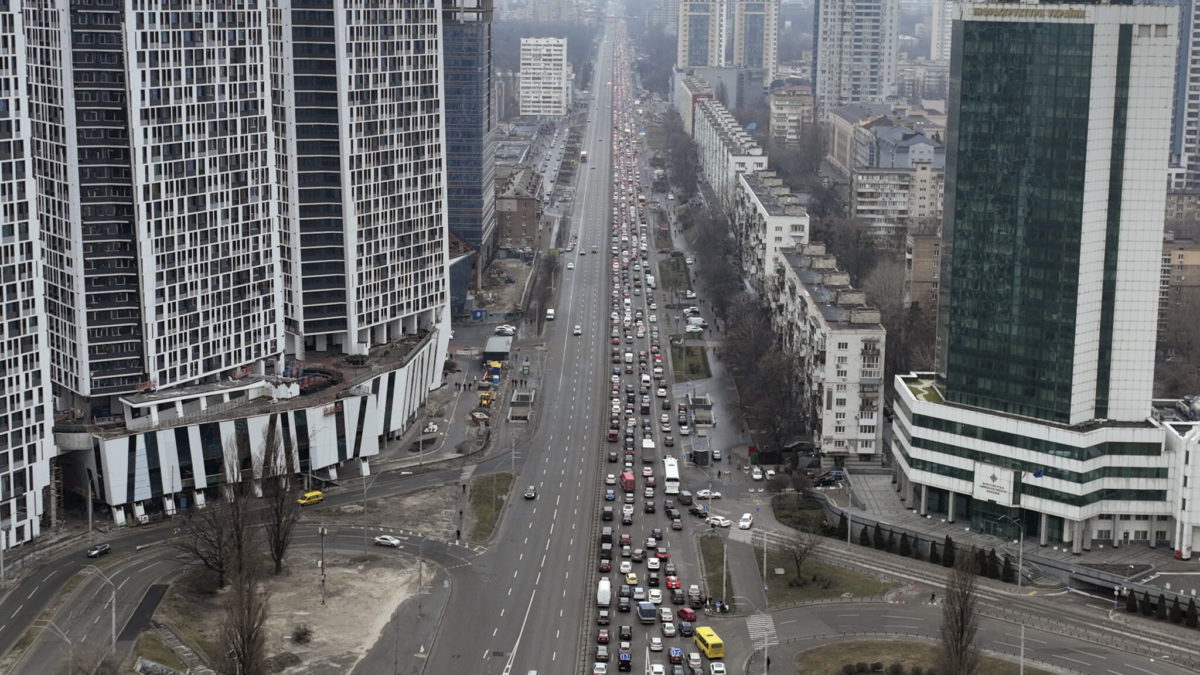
281, 510
1178, 373
748, 333
219, 534
957, 652
772, 402
243, 631
802, 546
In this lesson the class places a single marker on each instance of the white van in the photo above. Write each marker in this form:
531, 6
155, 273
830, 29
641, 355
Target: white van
628, 357
645, 380
549, 315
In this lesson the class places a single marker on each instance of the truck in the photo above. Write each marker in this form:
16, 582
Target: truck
583, 157
651, 283
647, 612
627, 483
604, 593
648, 450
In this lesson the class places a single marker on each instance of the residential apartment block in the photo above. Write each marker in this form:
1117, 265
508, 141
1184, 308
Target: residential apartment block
922, 268
1179, 280
857, 52
890, 201
250, 241
941, 30
1040, 410
767, 218
792, 114
755, 37
689, 92
546, 79
701, 36
836, 341
725, 150
26, 415
884, 137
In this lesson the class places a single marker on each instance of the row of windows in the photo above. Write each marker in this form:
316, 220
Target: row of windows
1037, 444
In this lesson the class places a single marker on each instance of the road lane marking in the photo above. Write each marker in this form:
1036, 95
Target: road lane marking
17, 610
1067, 658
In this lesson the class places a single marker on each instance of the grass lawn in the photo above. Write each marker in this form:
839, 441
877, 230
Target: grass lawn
150, 647
662, 238
795, 511
829, 659
832, 582
689, 363
713, 553
488, 494
672, 275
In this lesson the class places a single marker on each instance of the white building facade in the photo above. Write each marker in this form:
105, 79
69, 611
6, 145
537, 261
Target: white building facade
792, 113
888, 201
857, 52
767, 218
725, 150
701, 35
756, 36
27, 414
545, 85
835, 339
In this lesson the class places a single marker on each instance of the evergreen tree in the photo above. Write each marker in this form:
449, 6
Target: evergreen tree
980, 562
1131, 602
934, 557
916, 548
1006, 574
843, 526
905, 547
891, 542
1160, 608
1176, 611
878, 538
1192, 620
948, 552
1145, 605
993, 565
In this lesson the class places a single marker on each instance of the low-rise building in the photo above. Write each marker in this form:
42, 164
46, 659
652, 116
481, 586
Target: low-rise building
767, 218
836, 341
519, 209
690, 90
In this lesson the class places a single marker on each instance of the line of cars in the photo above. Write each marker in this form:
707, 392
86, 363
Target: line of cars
638, 575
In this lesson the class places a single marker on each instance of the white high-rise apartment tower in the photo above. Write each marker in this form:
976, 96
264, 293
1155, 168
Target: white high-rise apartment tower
756, 35
360, 169
154, 194
857, 47
941, 29
25, 417
545, 85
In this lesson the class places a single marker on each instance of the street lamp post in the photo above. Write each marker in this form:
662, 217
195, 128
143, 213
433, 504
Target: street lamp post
322, 530
1020, 547
112, 601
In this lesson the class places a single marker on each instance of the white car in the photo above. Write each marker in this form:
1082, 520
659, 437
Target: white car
716, 668
431, 428
653, 563
578, 330
693, 329
770, 474
661, 392
719, 521
756, 473
653, 318
655, 596
668, 629
610, 479
570, 265
653, 306
693, 660
707, 494
690, 294
626, 566
685, 430
599, 668
657, 668
656, 644
387, 540
746, 521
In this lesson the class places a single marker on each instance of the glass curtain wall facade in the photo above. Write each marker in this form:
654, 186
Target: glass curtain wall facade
470, 124
1014, 184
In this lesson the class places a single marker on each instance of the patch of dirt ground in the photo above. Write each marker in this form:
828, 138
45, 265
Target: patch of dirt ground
432, 511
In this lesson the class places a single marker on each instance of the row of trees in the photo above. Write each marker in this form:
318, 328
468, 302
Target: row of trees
227, 537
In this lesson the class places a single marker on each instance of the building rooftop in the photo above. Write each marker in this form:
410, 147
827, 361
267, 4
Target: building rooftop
840, 304
859, 113
774, 195
904, 137
323, 377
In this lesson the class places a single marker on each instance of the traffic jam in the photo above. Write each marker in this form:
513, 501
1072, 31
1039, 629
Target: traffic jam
649, 619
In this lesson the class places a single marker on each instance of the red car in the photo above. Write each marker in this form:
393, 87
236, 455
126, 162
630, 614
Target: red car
602, 636
605, 565
672, 582
686, 614
662, 554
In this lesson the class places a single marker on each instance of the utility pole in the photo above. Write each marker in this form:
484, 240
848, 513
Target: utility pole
321, 530
1022, 666
724, 567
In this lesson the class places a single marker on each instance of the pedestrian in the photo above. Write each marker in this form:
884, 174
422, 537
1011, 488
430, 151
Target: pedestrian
932, 598
768, 662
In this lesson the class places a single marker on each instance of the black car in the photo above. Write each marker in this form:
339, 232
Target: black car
626, 519
666, 404
672, 514
623, 605
613, 456
602, 618
607, 513
669, 570
652, 578
649, 507
686, 629
625, 633
99, 550
677, 598
531, 492
657, 533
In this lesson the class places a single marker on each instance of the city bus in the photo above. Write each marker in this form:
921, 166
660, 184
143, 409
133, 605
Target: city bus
671, 476
709, 642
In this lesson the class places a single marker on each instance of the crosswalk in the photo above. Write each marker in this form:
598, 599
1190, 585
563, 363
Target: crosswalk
762, 630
